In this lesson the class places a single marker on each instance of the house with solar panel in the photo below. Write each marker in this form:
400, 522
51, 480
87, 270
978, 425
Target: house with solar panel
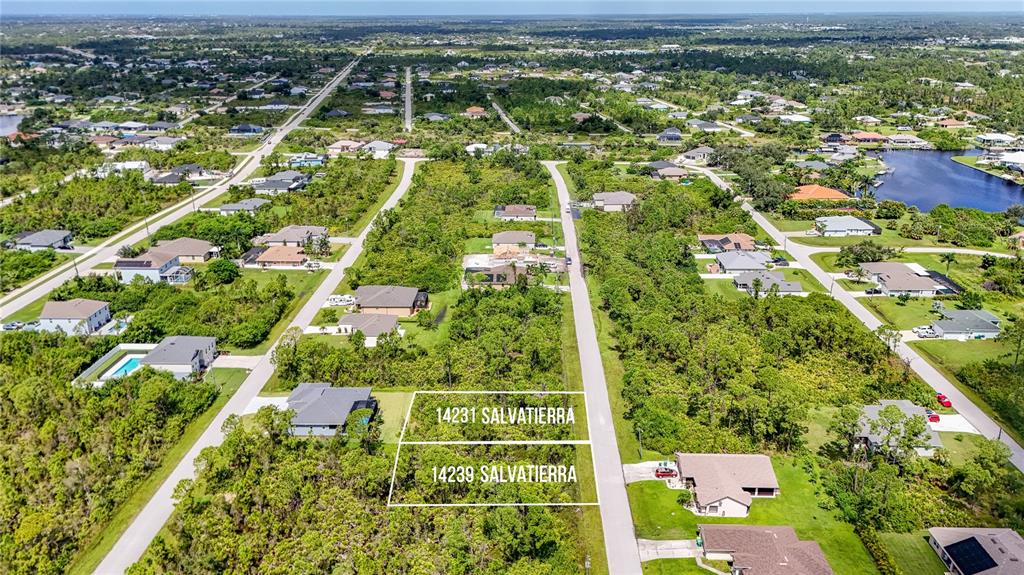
979, 550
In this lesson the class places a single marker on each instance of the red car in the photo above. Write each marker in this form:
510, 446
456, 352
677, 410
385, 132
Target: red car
943, 400
663, 472
933, 418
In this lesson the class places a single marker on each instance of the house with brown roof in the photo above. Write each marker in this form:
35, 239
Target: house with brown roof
978, 550
188, 250
762, 550
75, 316
951, 123
717, 243
896, 278
811, 192
724, 485
291, 256
475, 112
512, 242
391, 300
867, 137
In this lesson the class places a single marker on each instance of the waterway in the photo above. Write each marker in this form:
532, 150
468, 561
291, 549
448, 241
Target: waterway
9, 123
927, 178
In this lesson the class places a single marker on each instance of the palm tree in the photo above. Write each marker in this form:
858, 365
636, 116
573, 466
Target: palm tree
948, 258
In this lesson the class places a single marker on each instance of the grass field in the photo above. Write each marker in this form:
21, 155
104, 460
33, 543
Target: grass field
656, 515
393, 406
808, 281
961, 446
229, 380
912, 553
673, 567
915, 312
724, 287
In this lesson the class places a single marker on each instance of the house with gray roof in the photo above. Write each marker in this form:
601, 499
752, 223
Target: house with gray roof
670, 135
614, 201
182, 355
322, 410
765, 281
248, 205
978, 550
42, 240
966, 324
371, 325
513, 212
292, 235
281, 182
762, 550
724, 484
515, 241
872, 439
699, 154
842, 226
896, 278
391, 300
736, 262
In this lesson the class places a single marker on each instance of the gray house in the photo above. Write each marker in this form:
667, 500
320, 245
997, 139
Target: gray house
746, 280
701, 154
978, 550
248, 205
614, 201
182, 355
966, 324
391, 300
322, 410
281, 182
742, 261
872, 440
670, 135
42, 240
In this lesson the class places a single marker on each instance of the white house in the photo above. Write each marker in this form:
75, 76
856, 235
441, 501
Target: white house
966, 324
182, 355
841, 226
371, 325
155, 266
613, 201
724, 485
75, 316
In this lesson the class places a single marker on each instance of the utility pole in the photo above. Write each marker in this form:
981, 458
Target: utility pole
640, 440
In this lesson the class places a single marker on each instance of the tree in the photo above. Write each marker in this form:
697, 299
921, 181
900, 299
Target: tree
1012, 334
903, 299
947, 258
222, 271
900, 434
845, 428
969, 299
890, 335
128, 251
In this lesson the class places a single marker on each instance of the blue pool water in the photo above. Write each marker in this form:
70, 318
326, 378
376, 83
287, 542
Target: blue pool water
128, 367
927, 178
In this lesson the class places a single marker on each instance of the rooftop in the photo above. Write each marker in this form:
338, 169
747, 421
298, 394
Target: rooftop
77, 308
717, 476
765, 550
320, 404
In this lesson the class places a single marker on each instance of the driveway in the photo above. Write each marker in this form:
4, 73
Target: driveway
260, 401
955, 423
651, 549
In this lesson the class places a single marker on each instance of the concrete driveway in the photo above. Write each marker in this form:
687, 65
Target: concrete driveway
651, 549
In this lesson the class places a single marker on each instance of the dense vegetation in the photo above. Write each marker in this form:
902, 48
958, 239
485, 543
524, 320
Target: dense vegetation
69, 455
241, 313
33, 162
266, 502
19, 266
90, 207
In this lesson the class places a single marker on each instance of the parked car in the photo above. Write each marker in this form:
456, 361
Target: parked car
943, 400
872, 291
568, 261
665, 472
13, 326
780, 262
31, 326
933, 418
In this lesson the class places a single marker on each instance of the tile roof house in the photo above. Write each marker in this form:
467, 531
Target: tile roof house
182, 355
978, 550
715, 243
187, 249
290, 256
768, 280
816, 192
966, 324
614, 201
322, 410
762, 550
724, 485
391, 300
75, 316
742, 261
42, 240
873, 440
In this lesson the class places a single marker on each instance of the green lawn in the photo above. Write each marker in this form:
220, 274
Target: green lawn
888, 237
229, 380
478, 246
808, 281
673, 567
915, 312
30, 312
724, 287
789, 225
393, 407
853, 285
962, 447
912, 553
656, 515
817, 423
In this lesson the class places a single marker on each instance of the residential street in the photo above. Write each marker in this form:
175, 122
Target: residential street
504, 116
30, 292
616, 519
150, 520
408, 99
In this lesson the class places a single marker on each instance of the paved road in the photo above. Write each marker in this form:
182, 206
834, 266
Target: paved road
616, 519
408, 99
25, 295
504, 116
150, 520
743, 133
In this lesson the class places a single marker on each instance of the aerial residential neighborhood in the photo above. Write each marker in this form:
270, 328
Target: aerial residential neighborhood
521, 288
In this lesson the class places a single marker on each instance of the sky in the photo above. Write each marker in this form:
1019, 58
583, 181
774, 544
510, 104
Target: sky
371, 8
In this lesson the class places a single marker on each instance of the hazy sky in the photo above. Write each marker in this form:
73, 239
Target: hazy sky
490, 8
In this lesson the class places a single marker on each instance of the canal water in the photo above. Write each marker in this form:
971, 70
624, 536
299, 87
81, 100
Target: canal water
927, 178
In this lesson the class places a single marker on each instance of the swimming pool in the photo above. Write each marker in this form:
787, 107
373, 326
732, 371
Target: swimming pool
128, 365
